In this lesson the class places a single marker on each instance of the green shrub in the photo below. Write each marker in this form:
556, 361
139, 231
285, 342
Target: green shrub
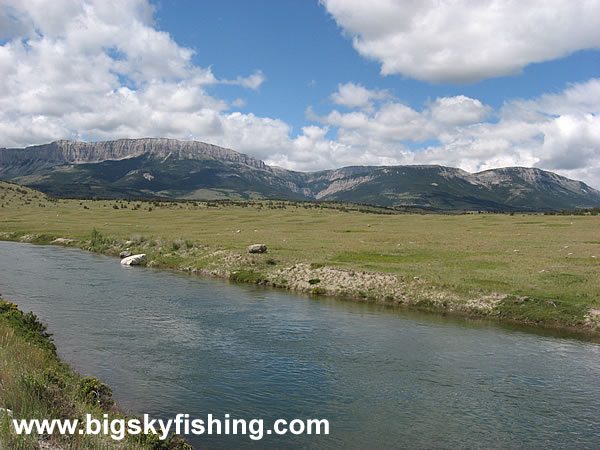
319, 291
97, 241
92, 391
314, 281
154, 442
51, 376
32, 385
247, 276
27, 325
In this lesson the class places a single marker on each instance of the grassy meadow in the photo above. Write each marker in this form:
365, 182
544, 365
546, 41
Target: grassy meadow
547, 265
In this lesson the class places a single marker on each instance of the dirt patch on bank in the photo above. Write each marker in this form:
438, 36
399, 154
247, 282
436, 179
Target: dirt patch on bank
379, 288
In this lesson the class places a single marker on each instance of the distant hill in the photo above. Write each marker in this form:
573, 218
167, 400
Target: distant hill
168, 168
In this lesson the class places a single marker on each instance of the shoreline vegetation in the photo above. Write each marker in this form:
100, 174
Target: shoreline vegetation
36, 384
536, 269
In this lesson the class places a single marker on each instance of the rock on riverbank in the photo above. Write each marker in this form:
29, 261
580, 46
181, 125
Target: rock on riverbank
134, 260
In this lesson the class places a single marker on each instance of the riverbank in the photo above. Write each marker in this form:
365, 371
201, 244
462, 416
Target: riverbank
319, 280
535, 269
36, 384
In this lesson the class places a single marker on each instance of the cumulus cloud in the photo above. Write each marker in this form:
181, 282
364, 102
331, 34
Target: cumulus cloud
558, 132
99, 69
571, 142
353, 95
459, 110
252, 82
464, 40
579, 98
395, 122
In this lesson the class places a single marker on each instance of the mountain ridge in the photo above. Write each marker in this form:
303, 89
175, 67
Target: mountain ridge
78, 152
169, 168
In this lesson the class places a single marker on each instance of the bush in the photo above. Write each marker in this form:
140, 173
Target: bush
92, 391
28, 325
319, 291
247, 276
314, 281
52, 377
98, 241
95, 237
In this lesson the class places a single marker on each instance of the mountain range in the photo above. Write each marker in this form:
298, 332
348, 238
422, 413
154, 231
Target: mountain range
168, 168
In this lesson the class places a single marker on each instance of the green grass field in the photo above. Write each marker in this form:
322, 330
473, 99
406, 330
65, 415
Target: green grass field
549, 264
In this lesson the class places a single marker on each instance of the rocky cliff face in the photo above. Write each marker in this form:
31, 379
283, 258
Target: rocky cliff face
16, 162
535, 178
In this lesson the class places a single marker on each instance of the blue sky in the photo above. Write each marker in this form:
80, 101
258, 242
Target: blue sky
304, 55
311, 85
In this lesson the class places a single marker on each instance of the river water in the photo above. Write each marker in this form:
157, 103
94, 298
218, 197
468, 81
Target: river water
170, 343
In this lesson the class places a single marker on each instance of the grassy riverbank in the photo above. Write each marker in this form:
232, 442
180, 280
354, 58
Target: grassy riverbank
36, 384
533, 268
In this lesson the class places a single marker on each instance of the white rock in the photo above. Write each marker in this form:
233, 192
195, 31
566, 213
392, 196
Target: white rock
257, 248
63, 241
134, 260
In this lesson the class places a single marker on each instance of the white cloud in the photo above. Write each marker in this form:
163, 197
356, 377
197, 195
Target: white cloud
252, 82
353, 95
465, 40
99, 69
459, 110
571, 142
238, 103
248, 133
395, 122
579, 98
558, 132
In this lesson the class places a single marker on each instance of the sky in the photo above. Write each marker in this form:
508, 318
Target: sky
312, 85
